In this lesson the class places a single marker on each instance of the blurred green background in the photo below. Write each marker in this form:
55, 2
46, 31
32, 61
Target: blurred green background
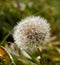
12, 11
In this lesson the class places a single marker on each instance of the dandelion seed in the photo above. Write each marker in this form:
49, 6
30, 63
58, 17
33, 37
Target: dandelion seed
31, 31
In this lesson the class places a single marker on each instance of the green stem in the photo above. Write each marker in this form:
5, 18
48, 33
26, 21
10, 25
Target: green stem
11, 58
41, 59
6, 37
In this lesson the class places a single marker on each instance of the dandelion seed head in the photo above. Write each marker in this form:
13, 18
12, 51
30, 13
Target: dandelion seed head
31, 31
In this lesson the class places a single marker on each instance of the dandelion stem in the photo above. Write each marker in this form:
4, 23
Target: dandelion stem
41, 59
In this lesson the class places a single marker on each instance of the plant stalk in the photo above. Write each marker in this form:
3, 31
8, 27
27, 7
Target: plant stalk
41, 58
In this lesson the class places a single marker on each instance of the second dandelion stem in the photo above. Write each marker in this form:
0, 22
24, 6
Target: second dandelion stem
41, 58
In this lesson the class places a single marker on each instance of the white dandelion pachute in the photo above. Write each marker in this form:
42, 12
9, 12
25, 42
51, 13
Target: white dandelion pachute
31, 31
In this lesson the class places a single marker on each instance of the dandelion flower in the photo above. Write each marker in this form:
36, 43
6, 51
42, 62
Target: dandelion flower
31, 31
